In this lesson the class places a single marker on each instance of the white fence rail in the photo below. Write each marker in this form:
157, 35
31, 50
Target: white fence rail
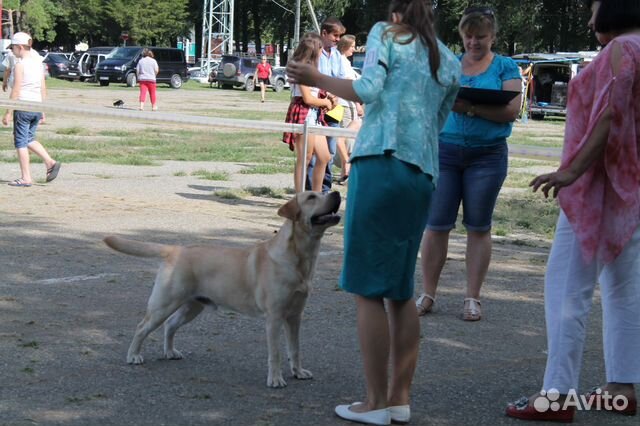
275, 126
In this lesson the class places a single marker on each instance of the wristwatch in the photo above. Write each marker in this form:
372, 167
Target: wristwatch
472, 111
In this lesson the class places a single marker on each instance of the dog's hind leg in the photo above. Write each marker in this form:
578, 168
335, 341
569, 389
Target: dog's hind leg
292, 329
185, 314
153, 319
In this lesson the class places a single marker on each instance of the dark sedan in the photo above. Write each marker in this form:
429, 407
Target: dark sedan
57, 64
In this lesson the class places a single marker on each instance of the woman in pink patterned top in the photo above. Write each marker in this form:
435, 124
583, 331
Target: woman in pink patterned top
598, 235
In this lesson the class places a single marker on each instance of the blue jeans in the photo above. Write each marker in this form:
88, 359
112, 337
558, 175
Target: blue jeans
25, 124
473, 176
328, 175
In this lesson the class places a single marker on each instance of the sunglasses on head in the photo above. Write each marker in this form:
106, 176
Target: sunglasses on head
482, 10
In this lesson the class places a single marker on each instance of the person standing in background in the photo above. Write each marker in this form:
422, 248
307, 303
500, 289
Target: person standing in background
330, 64
146, 71
353, 111
263, 75
28, 85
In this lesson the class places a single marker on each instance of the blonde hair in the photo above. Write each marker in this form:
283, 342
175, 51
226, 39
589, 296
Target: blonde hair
345, 42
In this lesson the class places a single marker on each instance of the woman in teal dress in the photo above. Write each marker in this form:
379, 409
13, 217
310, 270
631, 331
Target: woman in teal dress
393, 173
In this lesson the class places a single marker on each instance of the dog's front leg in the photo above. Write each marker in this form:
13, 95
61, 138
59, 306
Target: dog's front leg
274, 327
292, 327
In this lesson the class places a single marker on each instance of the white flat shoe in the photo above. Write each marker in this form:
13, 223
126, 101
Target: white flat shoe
400, 414
373, 417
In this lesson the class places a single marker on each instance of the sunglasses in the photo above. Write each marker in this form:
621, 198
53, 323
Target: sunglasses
481, 10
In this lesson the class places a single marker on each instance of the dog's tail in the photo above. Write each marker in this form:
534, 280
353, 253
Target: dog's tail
137, 248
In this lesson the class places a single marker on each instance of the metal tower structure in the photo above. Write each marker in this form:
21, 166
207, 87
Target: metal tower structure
217, 29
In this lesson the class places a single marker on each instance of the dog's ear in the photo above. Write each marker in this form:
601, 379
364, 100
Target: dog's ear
291, 210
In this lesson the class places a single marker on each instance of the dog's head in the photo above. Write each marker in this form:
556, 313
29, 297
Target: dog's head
313, 209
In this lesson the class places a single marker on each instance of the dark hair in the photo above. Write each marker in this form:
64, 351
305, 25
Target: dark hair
308, 51
417, 20
617, 16
477, 18
332, 25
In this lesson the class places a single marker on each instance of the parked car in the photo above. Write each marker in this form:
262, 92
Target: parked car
120, 66
84, 69
45, 68
236, 70
546, 77
198, 72
57, 64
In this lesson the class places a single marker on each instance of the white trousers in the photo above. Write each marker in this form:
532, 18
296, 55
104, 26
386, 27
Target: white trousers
569, 285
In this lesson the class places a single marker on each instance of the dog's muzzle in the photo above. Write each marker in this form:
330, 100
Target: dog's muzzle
330, 217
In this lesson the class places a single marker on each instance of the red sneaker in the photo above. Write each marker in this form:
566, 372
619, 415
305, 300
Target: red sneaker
521, 409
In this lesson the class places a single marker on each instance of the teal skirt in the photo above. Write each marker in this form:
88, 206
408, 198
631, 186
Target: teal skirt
386, 213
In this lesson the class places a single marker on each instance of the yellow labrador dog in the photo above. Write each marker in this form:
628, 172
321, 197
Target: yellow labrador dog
271, 278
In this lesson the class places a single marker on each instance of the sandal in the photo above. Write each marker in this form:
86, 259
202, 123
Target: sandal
422, 309
52, 172
472, 311
20, 183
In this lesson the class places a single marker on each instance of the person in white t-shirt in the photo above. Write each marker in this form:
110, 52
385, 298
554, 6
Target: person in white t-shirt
9, 63
28, 85
147, 70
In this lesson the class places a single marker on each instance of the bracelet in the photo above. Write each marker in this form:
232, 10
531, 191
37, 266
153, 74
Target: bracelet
472, 111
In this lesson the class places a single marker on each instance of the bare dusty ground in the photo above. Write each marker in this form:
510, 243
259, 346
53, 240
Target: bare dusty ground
69, 306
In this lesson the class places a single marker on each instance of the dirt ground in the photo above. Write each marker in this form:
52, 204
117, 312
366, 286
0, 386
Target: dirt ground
69, 306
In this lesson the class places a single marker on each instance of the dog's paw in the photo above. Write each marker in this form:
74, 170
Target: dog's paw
302, 374
173, 354
135, 359
276, 381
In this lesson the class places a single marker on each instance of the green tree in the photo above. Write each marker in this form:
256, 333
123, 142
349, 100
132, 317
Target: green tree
151, 22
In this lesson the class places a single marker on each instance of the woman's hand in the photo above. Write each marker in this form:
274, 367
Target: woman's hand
461, 106
555, 181
300, 73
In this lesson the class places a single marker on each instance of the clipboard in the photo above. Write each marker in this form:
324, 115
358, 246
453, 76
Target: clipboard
486, 96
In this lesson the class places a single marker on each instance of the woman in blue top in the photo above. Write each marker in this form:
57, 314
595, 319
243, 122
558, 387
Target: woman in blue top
473, 162
393, 172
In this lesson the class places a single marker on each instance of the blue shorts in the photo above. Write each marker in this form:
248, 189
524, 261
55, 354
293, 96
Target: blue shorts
25, 124
387, 205
473, 176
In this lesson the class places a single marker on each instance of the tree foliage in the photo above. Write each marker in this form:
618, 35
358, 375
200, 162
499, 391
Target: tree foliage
525, 25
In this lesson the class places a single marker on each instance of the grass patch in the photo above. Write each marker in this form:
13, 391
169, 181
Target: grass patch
72, 131
525, 213
204, 174
264, 191
180, 174
228, 195
269, 169
115, 133
147, 147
